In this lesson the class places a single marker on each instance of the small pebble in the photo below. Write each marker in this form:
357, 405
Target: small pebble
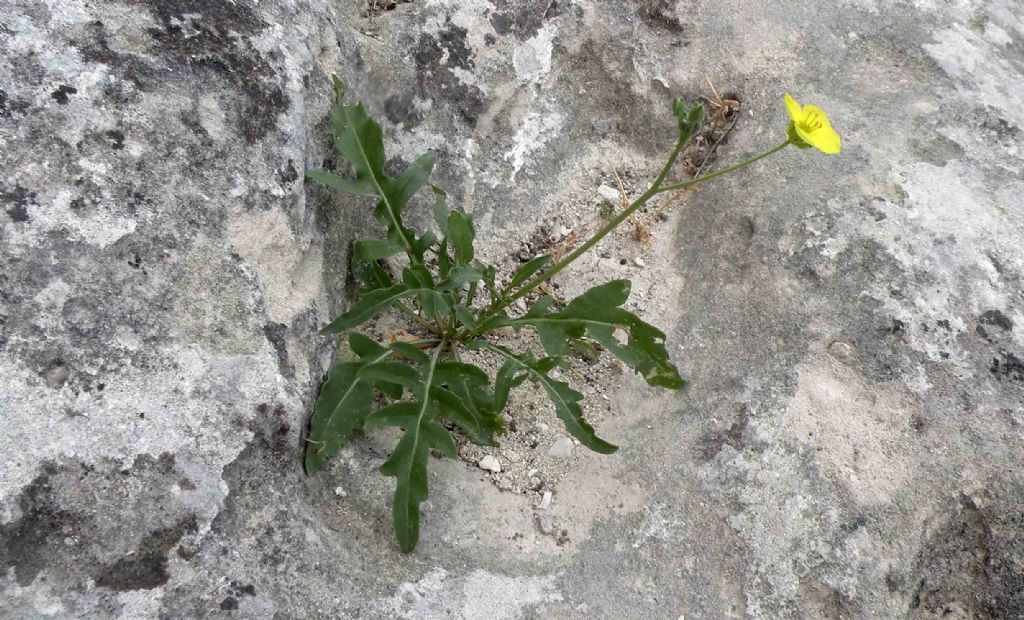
542, 427
545, 524
489, 463
535, 483
340, 492
545, 501
608, 193
561, 448
639, 262
533, 472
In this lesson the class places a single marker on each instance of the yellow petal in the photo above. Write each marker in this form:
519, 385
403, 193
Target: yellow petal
823, 137
793, 107
826, 141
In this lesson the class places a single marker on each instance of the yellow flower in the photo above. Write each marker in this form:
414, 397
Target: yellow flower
810, 127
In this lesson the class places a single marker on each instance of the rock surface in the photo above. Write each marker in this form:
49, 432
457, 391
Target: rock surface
852, 441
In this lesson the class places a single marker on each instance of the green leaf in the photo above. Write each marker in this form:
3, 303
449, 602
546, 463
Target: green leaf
364, 346
564, 398
460, 233
375, 249
689, 119
402, 188
444, 264
465, 316
439, 439
459, 275
410, 352
345, 400
408, 463
369, 274
531, 267
392, 372
455, 409
441, 209
488, 276
480, 402
395, 414
597, 314
448, 372
370, 305
359, 140
342, 184
507, 378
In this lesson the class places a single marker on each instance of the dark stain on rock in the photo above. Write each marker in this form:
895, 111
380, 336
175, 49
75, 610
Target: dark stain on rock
399, 109
969, 564
288, 174
116, 139
715, 441
229, 603
433, 76
523, 18
1007, 366
18, 200
61, 94
199, 41
997, 318
660, 14
147, 567
211, 38
271, 427
275, 333
27, 543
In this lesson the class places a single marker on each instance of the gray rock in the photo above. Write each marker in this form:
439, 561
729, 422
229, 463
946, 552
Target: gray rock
561, 448
165, 270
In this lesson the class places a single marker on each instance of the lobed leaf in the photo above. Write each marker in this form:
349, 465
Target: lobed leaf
564, 398
408, 463
597, 314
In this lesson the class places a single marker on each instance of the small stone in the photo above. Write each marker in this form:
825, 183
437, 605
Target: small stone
545, 501
542, 427
340, 492
561, 448
532, 472
609, 193
639, 262
564, 232
535, 483
842, 351
545, 524
489, 463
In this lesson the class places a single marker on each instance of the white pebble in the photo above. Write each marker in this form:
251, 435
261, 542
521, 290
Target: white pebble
489, 463
608, 193
340, 492
561, 448
639, 262
545, 501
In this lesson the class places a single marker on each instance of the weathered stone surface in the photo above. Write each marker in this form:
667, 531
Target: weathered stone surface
851, 443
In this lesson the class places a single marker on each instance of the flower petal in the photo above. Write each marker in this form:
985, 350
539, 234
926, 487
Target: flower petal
822, 137
793, 108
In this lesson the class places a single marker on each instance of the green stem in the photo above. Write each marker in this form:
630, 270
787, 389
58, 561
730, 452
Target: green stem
407, 310
655, 188
600, 234
707, 177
